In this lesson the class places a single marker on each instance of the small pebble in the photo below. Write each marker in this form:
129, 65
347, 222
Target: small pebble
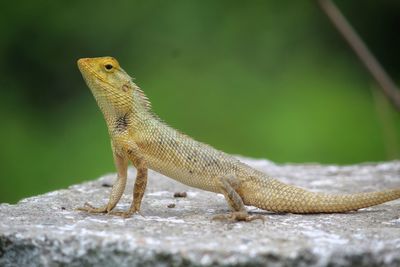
180, 194
172, 205
105, 185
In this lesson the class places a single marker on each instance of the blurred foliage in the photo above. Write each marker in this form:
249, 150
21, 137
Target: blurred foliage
269, 79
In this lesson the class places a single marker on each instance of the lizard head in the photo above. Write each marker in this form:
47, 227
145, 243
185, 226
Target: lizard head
112, 87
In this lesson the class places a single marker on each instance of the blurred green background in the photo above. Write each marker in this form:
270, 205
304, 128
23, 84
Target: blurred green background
270, 79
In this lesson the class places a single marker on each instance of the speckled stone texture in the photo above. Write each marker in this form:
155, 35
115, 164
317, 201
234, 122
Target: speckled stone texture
46, 231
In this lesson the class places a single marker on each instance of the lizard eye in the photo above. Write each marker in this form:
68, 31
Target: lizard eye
108, 66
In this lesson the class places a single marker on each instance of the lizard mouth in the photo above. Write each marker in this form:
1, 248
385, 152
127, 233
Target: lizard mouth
88, 71
83, 66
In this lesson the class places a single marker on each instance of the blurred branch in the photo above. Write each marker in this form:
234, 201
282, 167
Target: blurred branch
387, 122
387, 85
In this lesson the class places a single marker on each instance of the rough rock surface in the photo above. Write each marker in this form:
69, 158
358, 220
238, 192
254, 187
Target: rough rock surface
46, 231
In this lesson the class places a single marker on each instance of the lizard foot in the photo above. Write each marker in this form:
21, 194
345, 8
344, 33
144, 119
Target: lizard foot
91, 209
124, 214
238, 216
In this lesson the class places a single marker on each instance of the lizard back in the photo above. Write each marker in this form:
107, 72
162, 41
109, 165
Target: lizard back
180, 157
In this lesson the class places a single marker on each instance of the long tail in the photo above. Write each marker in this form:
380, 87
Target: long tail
275, 196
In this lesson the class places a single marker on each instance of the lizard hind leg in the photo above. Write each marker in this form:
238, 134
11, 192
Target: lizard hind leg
227, 185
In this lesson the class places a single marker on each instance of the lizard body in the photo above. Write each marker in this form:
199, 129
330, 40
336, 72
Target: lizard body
139, 136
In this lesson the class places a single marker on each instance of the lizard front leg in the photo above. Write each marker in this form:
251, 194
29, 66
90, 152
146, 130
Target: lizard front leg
227, 185
139, 188
121, 163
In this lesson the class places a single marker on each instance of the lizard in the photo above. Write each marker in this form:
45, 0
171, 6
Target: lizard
139, 136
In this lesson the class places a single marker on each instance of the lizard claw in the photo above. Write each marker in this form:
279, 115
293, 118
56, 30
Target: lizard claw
141, 214
238, 216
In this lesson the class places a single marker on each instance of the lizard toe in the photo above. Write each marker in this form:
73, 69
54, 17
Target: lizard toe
91, 209
123, 214
238, 216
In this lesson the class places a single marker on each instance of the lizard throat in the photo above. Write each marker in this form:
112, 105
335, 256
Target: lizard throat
121, 123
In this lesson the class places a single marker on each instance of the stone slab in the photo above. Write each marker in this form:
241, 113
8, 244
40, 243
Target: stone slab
46, 231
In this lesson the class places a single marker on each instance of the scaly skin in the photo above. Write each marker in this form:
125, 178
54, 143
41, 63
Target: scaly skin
139, 136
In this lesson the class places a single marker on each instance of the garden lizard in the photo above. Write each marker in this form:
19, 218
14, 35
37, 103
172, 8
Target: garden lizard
139, 136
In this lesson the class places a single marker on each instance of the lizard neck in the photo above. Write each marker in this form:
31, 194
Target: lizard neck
122, 120
118, 123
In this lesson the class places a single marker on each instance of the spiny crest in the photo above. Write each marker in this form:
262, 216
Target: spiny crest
144, 100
